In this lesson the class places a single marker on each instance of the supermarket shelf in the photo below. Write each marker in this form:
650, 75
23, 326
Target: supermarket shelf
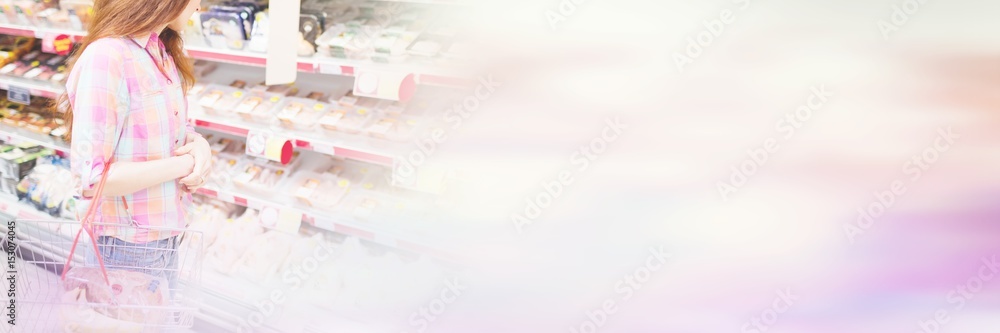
35, 87
11, 207
19, 135
240, 57
336, 66
30, 31
333, 66
342, 225
353, 229
347, 148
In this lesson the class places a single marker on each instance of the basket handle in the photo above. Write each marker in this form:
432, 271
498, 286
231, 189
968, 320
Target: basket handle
86, 223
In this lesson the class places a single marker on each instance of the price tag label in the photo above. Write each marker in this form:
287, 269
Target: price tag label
384, 85
330, 69
325, 149
267, 145
19, 95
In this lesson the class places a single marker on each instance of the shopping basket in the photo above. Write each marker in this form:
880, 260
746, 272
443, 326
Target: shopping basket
48, 303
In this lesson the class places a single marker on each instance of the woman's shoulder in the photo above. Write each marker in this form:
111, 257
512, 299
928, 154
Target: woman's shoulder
108, 48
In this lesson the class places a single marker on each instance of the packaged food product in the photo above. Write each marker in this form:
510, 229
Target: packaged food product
224, 29
142, 295
428, 46
262, 261
202, 67
305, 248
196, 89
262, 176
231, 242
220, 100
323, 191
23, 61
348, 42
259, 107
59, 129
207, 220
39, 66
192, 32
394, 128
284, 89
345, 120
311, 25
258, 35
50, 68
301, 113
245, 11
28, 70
224, 167
391, 46
76, 312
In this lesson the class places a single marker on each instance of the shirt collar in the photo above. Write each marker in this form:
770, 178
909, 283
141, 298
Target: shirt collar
144, 40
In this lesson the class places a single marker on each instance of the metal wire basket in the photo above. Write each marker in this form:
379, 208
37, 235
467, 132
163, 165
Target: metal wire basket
48, 303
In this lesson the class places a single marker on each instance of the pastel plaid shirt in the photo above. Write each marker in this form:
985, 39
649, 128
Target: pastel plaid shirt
111, 77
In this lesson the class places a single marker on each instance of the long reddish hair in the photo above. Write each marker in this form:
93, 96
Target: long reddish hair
121, 18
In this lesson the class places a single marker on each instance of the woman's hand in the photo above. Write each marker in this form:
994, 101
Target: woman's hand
202, 153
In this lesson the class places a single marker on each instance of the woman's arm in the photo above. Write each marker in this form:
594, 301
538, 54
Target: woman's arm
129, 177
99, 94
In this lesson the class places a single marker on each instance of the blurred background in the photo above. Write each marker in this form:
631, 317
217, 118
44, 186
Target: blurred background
794, 224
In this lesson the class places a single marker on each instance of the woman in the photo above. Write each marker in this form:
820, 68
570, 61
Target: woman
129, 80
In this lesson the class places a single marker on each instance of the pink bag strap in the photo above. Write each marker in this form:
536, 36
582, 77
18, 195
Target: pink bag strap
86, 224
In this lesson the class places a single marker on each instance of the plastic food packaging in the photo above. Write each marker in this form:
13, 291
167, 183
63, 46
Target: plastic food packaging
345, 120
301, 113
23, 61
78, 316
311, 25
261, 262
259, 107
391, 46
132, 296
323, 191
244, 11
202, 68
224, 29
220, 100
263, 177
428, 46
394, 128
232, 242
258, 34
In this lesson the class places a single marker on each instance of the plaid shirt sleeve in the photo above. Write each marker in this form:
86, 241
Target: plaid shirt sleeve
97, 91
